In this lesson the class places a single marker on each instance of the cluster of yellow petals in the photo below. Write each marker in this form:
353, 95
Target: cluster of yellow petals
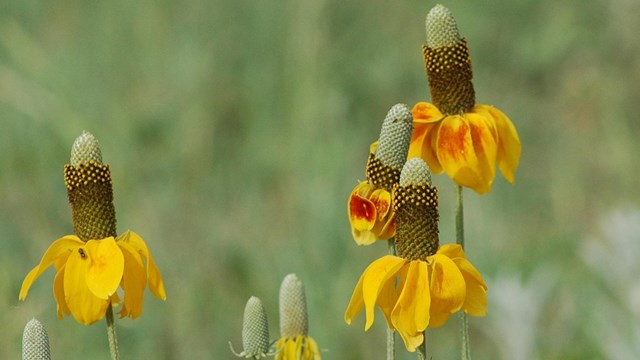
416, 294
466, 146
299, 347
370, 214
89, 273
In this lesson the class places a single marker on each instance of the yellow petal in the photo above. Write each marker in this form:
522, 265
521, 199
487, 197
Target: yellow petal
451, 250
455, 151
381, 199
106, 267
356, 303
447, 285
156, 284
411, 313
509, 147
475, 302
134, 280
58, 248
363, 237
58, 293
485, 148
375, 276
426, 118
83, 304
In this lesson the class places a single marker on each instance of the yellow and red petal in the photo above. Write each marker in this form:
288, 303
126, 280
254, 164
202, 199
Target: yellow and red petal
455, 150
509, 146
375, 276
154, 278
362, 213
483, 135
381, 199
106, 267
410, 316
60, 247
83, 304
134, 281
426, 122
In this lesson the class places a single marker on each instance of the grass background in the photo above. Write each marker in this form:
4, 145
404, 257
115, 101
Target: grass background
235, 132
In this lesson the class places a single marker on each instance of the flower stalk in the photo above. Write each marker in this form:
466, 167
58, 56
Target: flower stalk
111, 334
465, 348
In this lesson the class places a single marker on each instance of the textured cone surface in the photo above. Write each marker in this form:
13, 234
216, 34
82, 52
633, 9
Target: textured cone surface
395, 135
448, 64
85, 149
380, 175
416, 210
89, 190
441, 27
35, 342
255, 329
293, 308
415, 172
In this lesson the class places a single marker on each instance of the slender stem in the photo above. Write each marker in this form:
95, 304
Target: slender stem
391, 336
111, 333
465, 349
422, 349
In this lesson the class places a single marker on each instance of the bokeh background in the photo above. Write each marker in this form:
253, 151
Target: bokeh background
236, 130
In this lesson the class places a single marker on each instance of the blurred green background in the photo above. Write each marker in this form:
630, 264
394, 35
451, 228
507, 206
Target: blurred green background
236, 130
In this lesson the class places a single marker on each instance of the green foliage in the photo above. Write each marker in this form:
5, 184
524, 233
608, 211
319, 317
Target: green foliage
236, 130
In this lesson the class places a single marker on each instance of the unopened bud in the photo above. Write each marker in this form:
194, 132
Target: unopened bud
35, 342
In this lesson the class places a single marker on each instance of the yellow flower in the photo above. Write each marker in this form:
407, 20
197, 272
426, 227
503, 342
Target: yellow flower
300, 347
418, 294
425, 283
370, 214
466, 146
89, 273
369, 206
456, 135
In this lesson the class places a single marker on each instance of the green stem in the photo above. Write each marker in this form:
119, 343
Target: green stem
391, 336
465, 349
111, 333
422, 349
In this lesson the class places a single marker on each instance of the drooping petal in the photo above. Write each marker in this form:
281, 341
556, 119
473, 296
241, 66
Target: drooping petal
456, 152
106, 267
356, 303
447, 287
509, 147
389, 296
411, 313
83, 304
426, 122
475, 302
59, 247
58, 293
485, 148
375, 276
156, 284
451, 250
134, 280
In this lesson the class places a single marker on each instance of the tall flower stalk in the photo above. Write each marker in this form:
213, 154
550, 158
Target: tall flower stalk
454, 134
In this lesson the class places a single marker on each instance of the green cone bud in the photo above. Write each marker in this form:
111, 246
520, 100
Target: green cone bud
293, 308
255, 329
441, 28
35, 342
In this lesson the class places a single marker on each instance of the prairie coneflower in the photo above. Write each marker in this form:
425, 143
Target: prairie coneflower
454, 134
295, 342
93, 263
369, 207
426, 283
